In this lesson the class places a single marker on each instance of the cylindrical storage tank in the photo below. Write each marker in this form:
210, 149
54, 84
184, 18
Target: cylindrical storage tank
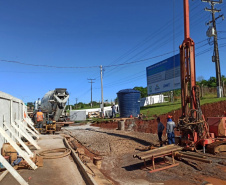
129, 103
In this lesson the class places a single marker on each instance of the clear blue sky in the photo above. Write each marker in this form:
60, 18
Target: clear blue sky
86, 33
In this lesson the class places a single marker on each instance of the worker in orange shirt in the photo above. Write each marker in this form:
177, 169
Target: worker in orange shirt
39, 118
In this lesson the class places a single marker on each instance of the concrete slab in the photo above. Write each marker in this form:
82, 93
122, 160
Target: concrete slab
81, 127
77, 115
54, 171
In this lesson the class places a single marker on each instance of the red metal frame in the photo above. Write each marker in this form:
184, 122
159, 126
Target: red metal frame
170, 165
187, 61
192, 116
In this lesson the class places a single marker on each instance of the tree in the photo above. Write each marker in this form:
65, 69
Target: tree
30, 104
212, 82
143, 91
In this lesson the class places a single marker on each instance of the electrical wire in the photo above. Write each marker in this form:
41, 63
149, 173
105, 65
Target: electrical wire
114, 65
158, 40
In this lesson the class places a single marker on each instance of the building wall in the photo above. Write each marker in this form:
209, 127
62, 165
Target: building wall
11, 109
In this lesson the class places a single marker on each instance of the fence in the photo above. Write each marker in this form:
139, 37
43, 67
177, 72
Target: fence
204, 91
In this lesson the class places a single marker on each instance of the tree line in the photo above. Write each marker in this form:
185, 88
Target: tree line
211, 82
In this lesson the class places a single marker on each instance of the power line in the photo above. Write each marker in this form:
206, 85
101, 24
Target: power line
158, 40
147, 39
128, 79
107, 66
49, 66
36, 65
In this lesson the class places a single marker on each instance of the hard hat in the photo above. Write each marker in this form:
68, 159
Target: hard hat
169, 117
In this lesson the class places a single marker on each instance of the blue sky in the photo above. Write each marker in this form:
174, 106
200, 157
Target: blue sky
87, 33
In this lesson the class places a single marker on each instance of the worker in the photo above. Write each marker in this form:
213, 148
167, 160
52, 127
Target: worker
170, 130
113, 110
160, 130
39, 118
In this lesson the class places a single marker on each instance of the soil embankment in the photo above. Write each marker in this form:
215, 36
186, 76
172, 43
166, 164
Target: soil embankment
150, 126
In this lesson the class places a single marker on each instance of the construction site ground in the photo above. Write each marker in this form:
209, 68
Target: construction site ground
60, 171
117, 147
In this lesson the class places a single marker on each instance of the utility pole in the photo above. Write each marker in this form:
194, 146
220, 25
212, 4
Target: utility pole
212, 32
76, 101
91, 81
102, 96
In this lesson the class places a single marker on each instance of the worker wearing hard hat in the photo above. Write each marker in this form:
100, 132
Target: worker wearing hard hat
170, 130
39, 118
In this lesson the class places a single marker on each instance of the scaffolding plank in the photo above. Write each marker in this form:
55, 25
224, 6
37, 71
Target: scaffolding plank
30, 153
18, 149
27, 136
14, 173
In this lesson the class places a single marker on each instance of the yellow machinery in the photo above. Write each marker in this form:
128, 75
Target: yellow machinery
50, 127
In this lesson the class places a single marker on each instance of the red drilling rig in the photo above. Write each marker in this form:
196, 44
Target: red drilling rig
192, 125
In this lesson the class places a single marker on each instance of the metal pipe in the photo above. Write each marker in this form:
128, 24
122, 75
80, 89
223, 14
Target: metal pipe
186, 19
180, 155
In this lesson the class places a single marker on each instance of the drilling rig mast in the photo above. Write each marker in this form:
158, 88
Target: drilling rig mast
192, 124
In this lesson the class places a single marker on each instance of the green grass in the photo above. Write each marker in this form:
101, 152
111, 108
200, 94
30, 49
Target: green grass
211, 100
161, 108
164, 108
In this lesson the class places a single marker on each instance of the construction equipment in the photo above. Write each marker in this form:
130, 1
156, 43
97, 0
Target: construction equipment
194, 129
53, 105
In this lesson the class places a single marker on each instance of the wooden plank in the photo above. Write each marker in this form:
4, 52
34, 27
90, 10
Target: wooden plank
30, 130
158, 152
154, 150
19, 140
31, 124
26, 135
14, 173
18, 149
3, 175
157, 149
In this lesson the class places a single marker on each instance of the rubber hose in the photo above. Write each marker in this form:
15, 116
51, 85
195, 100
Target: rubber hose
66, 152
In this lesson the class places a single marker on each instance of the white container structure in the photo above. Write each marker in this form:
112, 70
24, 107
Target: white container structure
152, 100
15, 124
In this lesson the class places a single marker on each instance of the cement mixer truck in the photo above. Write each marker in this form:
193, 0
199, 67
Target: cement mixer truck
53, 105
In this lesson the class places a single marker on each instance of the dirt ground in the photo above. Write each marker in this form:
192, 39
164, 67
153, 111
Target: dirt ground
117, 148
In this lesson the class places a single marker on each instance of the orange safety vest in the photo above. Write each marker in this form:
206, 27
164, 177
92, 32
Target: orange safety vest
39, 116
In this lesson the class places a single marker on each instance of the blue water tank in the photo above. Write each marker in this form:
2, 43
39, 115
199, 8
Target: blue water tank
129, 103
